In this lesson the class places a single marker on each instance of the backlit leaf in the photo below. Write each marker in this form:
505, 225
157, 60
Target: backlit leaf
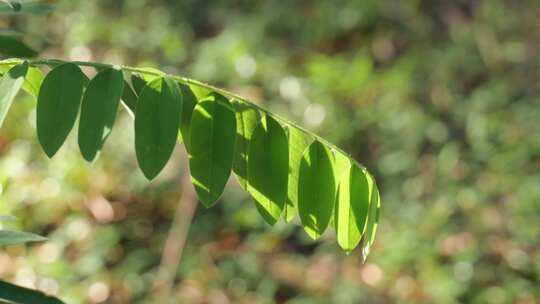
10, 84
32, 82
268, 168
58, 103
316, 189
247, 118
152, 74
212, 141
354, 192
298, 142
372, 221
98, 111
157, 120
199, 92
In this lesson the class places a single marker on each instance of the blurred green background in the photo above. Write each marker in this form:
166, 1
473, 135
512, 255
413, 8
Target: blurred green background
440, 100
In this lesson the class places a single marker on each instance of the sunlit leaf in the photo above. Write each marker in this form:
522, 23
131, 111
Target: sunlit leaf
212, 141
199, 92
21, 295
157, 120
298, 142
354, 192
247, 118
268, 168
152, 74
98, 111
10, 84
13, 47
372, 221
8, 237
32, 81
316, 189
58, 103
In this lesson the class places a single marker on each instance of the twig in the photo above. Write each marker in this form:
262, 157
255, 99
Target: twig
176, 240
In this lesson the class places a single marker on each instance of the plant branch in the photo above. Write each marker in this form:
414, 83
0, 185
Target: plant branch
186, 81
176, 239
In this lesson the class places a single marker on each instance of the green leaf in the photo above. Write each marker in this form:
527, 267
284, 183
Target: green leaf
21, 295
298, 142
157, 120
199, 92
316, 189
138, 83
98, 111
13, 47
139, 80
58, 103
14, 5
247, 118
27, 8
354, 192
10, 85
129, 99
8, 237
212, 141
372, 221
32, 82
268, 168
190, 100
152, 74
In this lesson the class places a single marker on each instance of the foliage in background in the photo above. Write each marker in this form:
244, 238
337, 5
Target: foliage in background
439, 99
13, 293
